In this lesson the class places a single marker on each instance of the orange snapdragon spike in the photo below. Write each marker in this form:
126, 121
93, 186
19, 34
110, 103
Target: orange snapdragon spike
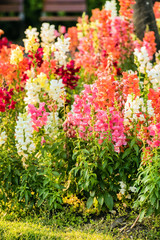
149, 38
155, 97
126, 8
47, 68
73, 34
156, 9
130, 84
106, 90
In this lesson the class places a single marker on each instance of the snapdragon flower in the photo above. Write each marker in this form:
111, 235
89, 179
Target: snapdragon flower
56, 90
16, 55
111, 6
51, 124
32, 92
31, 42
23, 135
135, 109
142, 59
47, 34
3, 138
154, 76
60, 48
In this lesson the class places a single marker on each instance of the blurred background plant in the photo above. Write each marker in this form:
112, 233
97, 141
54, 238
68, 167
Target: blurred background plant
32, 13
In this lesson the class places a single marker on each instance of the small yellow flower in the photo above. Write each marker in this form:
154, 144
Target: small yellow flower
16, 56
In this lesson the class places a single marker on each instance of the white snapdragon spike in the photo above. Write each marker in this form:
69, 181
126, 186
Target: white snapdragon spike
31, 42
135, 109
32, 92
111, 6
47, 34
60, 48
56, 90
23, 135
51, 125
30, 32
154, 76
3, 138
142, 57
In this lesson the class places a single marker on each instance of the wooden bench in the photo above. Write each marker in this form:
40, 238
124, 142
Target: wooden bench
72, 9
11, 10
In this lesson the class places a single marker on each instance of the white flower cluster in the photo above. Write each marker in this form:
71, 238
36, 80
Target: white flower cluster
56, 90
123, 189
142, 59
60, 48
47, 39
3, 138
23, 135
47, 34
135, 108
154, 76
111, 6
32, 92
31, 42
51, 126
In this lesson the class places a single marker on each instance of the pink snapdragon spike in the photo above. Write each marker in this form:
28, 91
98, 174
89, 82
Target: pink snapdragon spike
154, 131
90, 121
38, 116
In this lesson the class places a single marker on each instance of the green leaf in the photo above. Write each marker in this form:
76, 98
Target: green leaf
51, 200
108, 199
126, 153
141, 216
55, 173
26, 196
132, 142
92, 193
102, 153
136, 148
56, 185
40, 201
45, 194
89, 202
110, 169
101, 200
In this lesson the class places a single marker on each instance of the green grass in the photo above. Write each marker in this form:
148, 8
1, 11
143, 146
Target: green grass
30, 231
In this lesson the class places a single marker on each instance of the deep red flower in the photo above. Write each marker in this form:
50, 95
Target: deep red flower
68, 74
12, 105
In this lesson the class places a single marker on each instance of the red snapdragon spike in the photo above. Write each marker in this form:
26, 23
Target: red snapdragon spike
2, 106
11, 92
1, 93
7, 98
4, 42
68, 75
12, 105
24, 78
38, 56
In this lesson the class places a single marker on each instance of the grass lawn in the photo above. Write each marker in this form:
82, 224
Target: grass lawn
63, 226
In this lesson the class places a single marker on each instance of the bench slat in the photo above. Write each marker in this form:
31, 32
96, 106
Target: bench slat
58, 18
10, 19
64, 1
11, 8
56, 7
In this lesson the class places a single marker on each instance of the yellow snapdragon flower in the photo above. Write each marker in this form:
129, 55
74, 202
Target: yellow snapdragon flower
42, 80
16, 56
